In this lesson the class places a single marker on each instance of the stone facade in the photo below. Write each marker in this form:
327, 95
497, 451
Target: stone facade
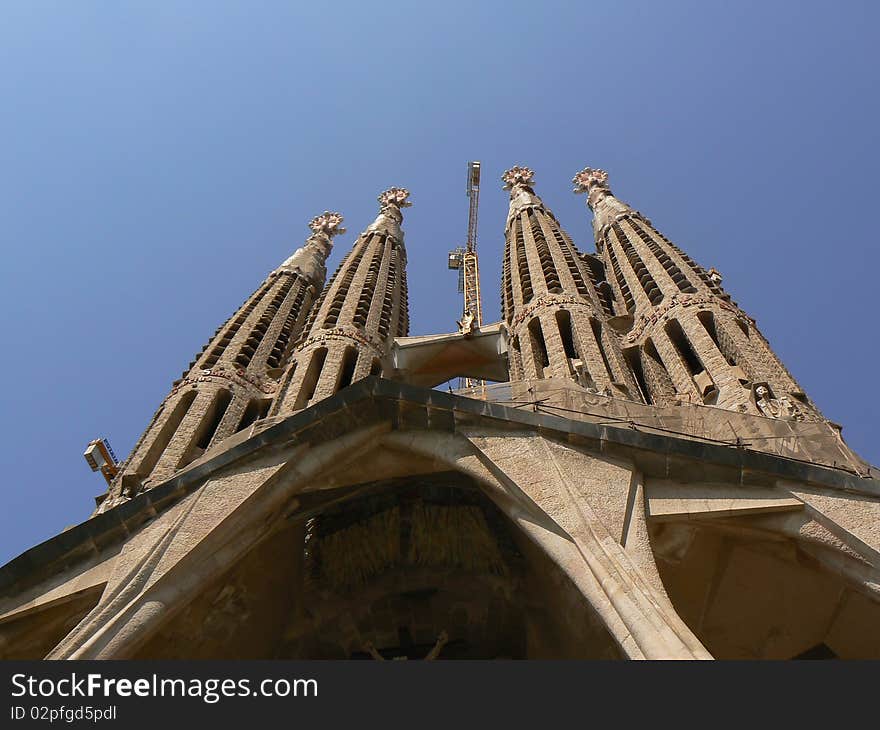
649, 483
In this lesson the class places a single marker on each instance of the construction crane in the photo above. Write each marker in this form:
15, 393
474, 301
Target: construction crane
100, 457
464, 258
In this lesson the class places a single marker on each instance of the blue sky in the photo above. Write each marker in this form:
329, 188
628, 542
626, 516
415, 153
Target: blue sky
158, 159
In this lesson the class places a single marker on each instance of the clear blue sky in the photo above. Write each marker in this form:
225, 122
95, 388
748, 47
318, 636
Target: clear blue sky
159, 158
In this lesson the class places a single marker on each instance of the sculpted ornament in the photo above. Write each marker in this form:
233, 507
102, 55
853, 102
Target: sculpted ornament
394, 197
239, 374
782, 408
338, 333
466, 323
545, 300
329, 223
590, 178
594, 183
518, 176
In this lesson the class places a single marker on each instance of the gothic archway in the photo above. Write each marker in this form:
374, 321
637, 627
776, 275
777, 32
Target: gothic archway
401, 568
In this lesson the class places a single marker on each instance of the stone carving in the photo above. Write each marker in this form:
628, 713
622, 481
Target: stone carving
582, 376
390, 218
518, 176
594, 183
394, 198
338, 333
328, 222
782, 408
466, 324
590, 178
715, 276
235, 378
547, 300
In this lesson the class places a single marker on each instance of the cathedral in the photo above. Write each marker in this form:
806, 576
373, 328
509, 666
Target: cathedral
630, 472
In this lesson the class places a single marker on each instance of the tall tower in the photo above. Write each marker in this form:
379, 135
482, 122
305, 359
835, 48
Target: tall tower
688, 341
360, 312
383, 518
229, 384
556, 316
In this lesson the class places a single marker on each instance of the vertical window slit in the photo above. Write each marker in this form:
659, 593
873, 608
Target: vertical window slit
346, 373
525, 279
166, 433
208, 427
625, 292
647, 282
683, 347
597, 333
539, 347
634, 360
310, 381
403, 313
256, 409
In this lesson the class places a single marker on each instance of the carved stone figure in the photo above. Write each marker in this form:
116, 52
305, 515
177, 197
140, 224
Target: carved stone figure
466, 324
782, 408
582, 376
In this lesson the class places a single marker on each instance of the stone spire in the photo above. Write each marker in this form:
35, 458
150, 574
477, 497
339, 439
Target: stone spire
354, 322
556, 317
687, 341
310, 259
230, 384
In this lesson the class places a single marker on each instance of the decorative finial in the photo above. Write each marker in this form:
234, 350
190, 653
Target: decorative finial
518, 176
590, 178
396, 197
328, 222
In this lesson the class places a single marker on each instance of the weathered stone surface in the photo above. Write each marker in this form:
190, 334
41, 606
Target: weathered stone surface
651, 483
858, 517
668, 500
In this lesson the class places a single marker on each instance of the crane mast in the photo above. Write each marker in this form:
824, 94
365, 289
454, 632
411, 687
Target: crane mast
464, 258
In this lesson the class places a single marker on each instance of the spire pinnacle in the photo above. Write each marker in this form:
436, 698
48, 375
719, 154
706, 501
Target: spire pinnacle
390, 217
519, 180
393, 198
310, 257
328, 223
518, 176
593, 182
